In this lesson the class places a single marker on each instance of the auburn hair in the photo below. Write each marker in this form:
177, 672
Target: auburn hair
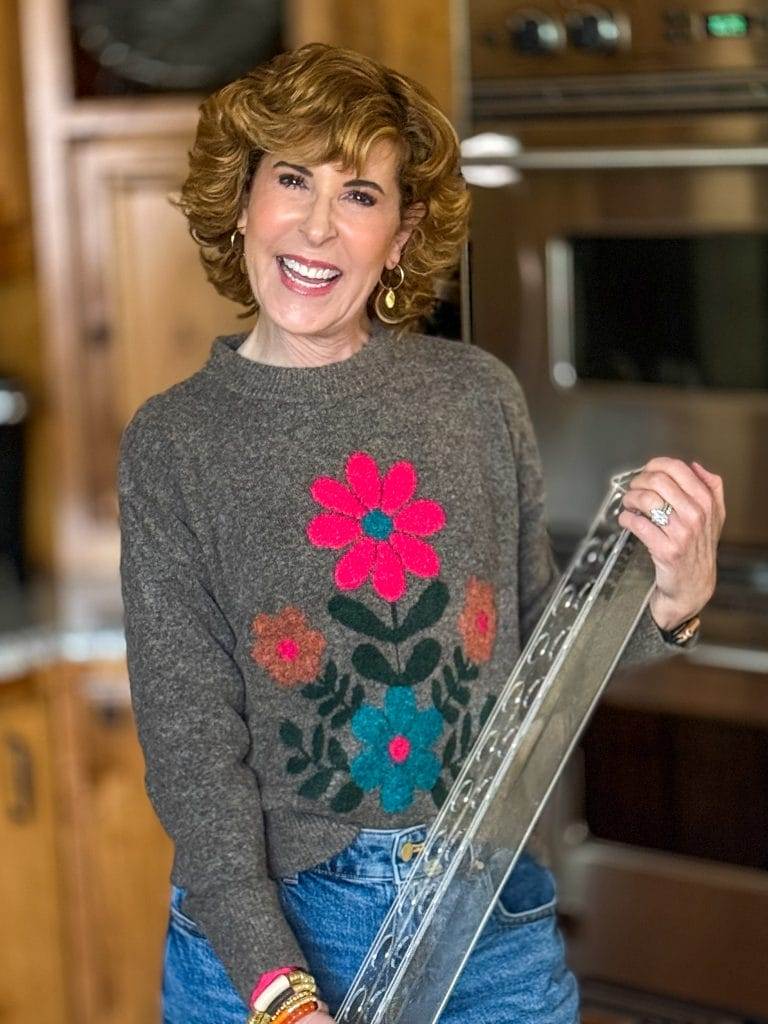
325, 104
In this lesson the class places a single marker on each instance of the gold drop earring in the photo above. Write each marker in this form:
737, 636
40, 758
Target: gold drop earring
387, 291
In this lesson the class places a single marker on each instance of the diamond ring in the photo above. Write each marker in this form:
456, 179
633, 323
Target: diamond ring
661, 515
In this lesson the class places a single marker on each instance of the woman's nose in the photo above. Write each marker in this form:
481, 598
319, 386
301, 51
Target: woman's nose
318, 224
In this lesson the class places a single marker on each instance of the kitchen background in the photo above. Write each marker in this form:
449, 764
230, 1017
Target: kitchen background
618, 157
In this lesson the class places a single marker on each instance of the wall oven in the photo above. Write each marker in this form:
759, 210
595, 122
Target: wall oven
618, 158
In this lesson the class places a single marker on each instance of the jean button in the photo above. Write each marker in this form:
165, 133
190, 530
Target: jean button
410, 849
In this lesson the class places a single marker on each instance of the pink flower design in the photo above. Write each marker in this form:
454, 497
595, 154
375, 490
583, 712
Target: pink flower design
381, 523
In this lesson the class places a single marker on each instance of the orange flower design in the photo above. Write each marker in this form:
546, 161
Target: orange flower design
477, 622
287, 647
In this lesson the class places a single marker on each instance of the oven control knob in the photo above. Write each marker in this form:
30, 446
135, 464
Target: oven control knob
597, 29
535, 32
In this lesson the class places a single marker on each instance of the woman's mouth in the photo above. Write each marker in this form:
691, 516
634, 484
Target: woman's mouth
307, 277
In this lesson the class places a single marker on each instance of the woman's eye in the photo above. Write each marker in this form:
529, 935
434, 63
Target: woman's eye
364, 198
291, 180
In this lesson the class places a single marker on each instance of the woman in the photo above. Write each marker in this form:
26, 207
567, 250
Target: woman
333, 550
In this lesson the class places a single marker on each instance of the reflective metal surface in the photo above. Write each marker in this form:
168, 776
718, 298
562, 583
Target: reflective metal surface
646, 177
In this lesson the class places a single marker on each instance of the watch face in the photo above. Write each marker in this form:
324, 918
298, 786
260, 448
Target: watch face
177, 44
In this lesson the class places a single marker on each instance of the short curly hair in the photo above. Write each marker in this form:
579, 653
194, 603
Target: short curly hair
326, 104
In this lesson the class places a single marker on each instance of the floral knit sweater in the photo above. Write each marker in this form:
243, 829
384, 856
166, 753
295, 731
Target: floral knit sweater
328, 574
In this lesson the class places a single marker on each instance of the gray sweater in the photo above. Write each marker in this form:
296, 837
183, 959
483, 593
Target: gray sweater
327, 574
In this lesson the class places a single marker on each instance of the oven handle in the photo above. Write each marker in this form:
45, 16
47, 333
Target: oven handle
493, 160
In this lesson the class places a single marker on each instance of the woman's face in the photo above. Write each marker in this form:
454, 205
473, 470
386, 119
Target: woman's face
318, 237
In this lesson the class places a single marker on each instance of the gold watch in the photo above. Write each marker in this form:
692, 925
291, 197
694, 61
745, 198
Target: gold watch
683, 633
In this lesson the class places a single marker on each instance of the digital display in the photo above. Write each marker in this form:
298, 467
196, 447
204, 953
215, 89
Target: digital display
727, 25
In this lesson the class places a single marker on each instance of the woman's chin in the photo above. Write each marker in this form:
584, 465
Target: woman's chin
302, 318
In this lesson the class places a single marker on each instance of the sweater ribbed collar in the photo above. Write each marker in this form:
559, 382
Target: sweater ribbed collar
370, 367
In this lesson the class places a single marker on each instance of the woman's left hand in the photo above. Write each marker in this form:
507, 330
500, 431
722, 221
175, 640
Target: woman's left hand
684, 551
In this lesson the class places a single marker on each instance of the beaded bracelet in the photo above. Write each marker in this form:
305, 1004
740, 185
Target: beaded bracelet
303, 1009
294, 1012
296, 979
282, 996
267, 978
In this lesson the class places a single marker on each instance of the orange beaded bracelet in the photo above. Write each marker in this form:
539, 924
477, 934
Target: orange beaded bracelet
297, 1013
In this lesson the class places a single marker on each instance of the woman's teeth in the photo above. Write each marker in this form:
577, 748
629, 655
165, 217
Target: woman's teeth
312, 277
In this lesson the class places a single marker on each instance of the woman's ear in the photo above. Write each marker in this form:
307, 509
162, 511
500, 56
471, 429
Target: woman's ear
242, 219
411, 217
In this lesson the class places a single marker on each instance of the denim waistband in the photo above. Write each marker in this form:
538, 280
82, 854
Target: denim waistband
382, 854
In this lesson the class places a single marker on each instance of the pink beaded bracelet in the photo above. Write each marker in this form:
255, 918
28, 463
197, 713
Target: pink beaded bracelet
267, 978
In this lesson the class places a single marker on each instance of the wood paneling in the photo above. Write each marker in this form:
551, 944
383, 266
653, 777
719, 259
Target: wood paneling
421, 38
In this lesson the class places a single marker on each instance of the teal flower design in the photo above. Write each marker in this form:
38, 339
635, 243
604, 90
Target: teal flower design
395, 755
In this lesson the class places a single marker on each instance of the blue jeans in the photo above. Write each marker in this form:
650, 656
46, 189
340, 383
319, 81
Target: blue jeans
335, 910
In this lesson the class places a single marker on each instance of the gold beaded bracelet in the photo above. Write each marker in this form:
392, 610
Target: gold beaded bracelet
303, 988
283, 1011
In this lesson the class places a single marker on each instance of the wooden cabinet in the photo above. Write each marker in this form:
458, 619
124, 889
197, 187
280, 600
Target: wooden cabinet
125, 307
34, 964
146, 313
85, 867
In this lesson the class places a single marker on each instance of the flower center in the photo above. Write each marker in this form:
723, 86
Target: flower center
399, 748
481, 621
377, 524
287, 649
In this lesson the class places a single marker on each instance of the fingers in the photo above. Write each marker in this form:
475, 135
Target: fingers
715, 483
693, 496
655, 539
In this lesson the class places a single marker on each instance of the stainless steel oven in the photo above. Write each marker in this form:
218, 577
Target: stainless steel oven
618, 157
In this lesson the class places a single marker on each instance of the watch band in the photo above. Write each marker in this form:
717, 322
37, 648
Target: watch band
683, 633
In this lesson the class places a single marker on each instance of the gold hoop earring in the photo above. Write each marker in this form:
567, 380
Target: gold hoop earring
388, 293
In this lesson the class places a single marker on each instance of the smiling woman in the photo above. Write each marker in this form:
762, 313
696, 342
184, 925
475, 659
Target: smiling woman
333, 549
330, 166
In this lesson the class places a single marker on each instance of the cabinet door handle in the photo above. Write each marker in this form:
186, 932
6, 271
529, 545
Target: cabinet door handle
21, 805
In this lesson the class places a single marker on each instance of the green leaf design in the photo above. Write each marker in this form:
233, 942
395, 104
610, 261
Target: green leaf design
466, 670
437, 695
341, 717
327, 706
347, 798
355, 615
459, 693
454, 770
336, 754
422, 662
317, 689
426, 612
331, 673
297, 764
450, 714
318, 743
439, 792
450, 750
487, 708
466, 733
358, 695
341, 692
291, 734
371, 664
316, 784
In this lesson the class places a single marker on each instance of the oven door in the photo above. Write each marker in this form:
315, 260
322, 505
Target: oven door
621, 268
658, 834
